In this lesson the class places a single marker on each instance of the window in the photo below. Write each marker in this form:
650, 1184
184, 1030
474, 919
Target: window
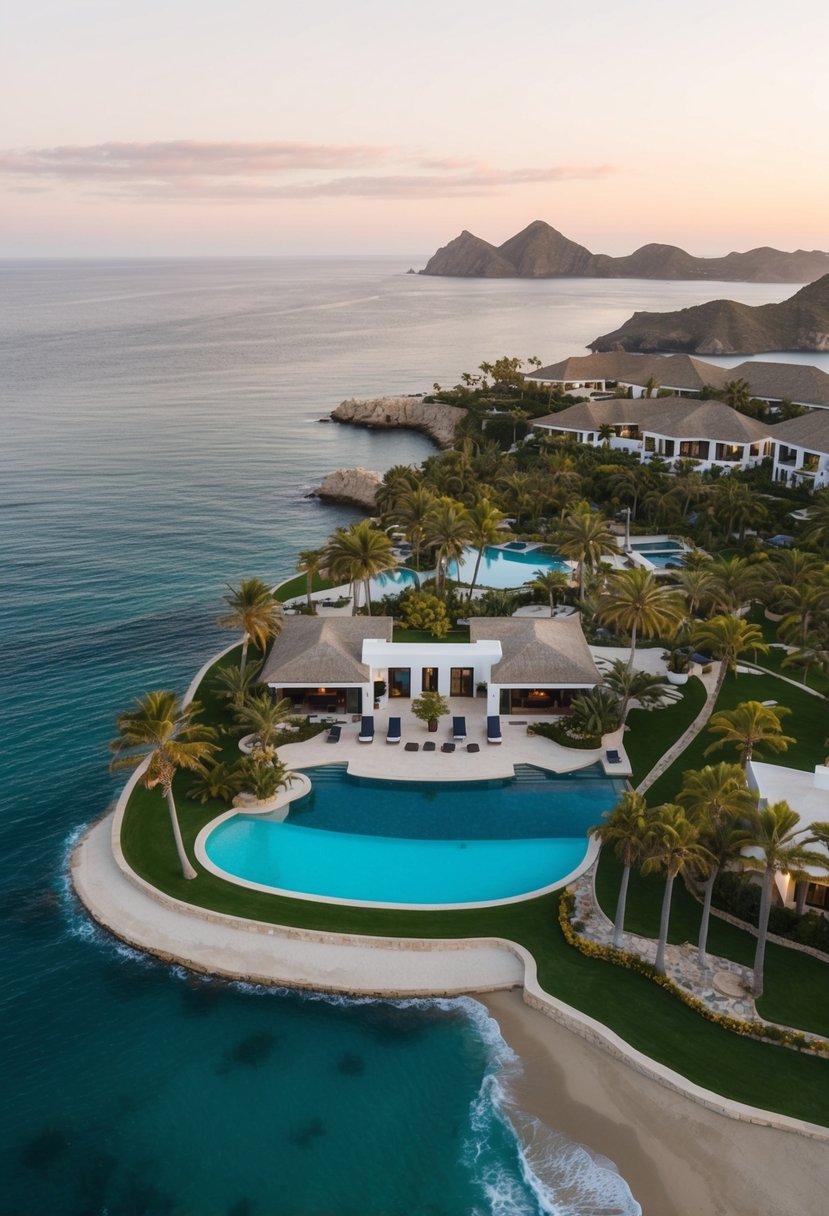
429, 683
400, 682
817, 895
461, 682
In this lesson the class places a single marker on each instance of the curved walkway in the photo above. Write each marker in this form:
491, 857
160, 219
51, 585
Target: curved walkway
661, 766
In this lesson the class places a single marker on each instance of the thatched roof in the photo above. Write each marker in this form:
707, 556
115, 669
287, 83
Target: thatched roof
675, 417
808, 431
323, 650
538, 651
798, 382
611, 365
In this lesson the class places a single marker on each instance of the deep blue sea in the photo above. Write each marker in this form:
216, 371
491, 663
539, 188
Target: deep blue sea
159, 427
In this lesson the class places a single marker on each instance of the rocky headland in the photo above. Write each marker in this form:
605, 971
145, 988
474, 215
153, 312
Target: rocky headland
539, 251
724, 327
434, 419
357, 487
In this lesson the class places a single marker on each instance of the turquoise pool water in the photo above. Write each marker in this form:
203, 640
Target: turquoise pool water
419, 843
503, 569
663, 560
392, 582
658, 546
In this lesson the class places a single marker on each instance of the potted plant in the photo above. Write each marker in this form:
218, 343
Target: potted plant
380, 689
480, 688
678, 663
428, 707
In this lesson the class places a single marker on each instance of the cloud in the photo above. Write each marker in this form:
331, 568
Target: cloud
241, 171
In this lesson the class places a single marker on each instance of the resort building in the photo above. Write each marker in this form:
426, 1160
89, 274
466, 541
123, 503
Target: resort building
670, 428
525, 664
808, 794
684, 375
801, 450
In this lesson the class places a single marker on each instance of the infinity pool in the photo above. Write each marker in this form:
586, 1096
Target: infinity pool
504, 569
419, 843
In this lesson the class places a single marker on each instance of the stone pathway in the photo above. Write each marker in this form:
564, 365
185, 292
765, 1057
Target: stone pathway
723, 986
710, 683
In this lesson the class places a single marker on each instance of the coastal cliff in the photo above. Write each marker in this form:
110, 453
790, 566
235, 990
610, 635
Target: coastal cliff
724, 327
539, 251
434, 419
355, 486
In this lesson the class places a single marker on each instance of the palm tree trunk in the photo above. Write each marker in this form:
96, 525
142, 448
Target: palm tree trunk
632, 645
619, 922
581, 581
663, 923
706, 917
245, 643
308, 584
762, 931
475, 574
367, 585
184, 861
552, 603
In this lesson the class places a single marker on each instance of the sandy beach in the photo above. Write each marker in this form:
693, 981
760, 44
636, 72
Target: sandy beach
678, 1158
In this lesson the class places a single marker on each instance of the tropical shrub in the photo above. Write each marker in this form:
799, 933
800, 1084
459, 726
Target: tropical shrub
594, 713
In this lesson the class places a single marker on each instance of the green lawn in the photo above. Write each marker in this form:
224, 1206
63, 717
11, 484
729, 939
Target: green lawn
643, 1014
653, 731
773, 661
806, 724
297, 586
796, 985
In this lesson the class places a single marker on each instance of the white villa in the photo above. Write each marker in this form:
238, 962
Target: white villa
801, 450
682, 375
330, 664
808, 794
671, 428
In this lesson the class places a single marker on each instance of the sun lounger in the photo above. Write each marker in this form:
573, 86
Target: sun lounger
429, 747
448, 747
493, 729
334, 734
459, 729
412, 747
366, 734
472, 747
613, 757
393, 733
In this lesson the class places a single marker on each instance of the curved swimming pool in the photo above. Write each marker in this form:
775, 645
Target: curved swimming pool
418, 843
504, 569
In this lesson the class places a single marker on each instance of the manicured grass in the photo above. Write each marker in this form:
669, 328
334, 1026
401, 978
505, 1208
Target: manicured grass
773, 661
796, 985
297, 586
643, 1014
806, 724
653, 731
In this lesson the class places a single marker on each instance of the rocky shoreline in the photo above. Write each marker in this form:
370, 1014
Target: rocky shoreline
356, 487
434, 419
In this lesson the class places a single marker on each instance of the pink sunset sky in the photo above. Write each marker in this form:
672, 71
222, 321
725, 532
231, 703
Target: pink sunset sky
203, 127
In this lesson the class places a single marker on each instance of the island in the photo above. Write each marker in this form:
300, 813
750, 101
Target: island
726, 327
540, 251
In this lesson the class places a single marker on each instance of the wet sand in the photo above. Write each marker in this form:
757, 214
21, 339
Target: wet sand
678, 1158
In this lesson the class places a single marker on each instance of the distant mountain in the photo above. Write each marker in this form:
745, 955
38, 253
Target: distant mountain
541, 252
724, 327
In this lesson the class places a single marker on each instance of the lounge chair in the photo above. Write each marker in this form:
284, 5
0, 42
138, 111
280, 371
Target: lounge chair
393, 733
447, 747
429, 747
613, 757
493, 729
412, 747
366, 734
333, 735
459, 729
472, 747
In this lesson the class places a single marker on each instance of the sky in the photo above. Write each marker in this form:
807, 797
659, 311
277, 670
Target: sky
197, 127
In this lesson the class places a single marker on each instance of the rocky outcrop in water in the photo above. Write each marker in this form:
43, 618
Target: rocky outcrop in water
355, 486
434, 419
724, 327
541, 252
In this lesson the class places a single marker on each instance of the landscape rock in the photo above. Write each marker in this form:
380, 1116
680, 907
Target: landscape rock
434, 419
355, 486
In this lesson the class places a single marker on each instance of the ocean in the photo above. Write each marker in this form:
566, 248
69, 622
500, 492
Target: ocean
160, 431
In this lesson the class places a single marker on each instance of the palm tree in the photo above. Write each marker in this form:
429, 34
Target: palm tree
168, 736
673, 847
550, 583
233, 684
261, 715
727, 637
310, 562
216, 783
585, 536
399, 481
734, 506
606, 432
804, 604
736, 393
411, 513
817, 530
484, 523
813, 653
254, 610
774, 830
625, 829
737, 581
698, 585
635, 602
714, 798
629, 685
449, 529
749, 725
357, 554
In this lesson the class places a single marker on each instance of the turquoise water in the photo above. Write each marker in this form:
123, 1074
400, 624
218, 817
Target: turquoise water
392, 582
419, 843
160, 433
657, 546
503, 569
663, 560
